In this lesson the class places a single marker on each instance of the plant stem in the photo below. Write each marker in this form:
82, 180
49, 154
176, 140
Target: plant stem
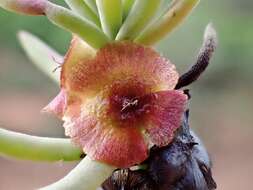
87, 175
178, 10
27, 147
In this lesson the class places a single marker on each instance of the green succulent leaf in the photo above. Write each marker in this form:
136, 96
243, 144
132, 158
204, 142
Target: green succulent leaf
27, 147
40, 54
177, 12
87, 175
139, 17
83, 10
110, 12
86, 30
62, 17
127, 5
92, 5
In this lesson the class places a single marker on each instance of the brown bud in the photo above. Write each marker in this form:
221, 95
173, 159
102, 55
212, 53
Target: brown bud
29, 7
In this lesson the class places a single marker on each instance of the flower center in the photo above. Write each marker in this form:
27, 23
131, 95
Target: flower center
128, 105
129, 109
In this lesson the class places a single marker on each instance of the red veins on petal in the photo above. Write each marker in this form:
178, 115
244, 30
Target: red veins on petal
107, 136
122, 61
79, 51
119, 101
122, 147
165, 116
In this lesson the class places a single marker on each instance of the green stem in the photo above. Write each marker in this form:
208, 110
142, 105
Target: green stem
27, 147
139, 17
83, 10
87, 175
161, 27
110, 12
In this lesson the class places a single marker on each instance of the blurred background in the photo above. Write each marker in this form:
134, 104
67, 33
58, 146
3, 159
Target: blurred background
221, 105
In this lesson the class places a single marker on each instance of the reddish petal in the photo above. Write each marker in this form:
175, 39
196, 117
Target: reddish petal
58, 105
123, 61
121, 143
78, 51
108, 109
121, 147
165, 116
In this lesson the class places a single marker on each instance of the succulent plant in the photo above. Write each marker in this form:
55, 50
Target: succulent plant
121, 102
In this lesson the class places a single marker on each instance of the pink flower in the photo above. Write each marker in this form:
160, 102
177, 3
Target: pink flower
118, 102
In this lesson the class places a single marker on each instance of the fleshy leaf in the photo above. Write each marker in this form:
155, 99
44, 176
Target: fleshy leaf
87, 175
84, 10
110, 12
127, 5
41, 55
62, 17
92, 5
140, 15
27, 147
86, 30
178, 11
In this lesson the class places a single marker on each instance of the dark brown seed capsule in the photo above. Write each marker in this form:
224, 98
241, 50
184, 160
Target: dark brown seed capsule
183, 165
